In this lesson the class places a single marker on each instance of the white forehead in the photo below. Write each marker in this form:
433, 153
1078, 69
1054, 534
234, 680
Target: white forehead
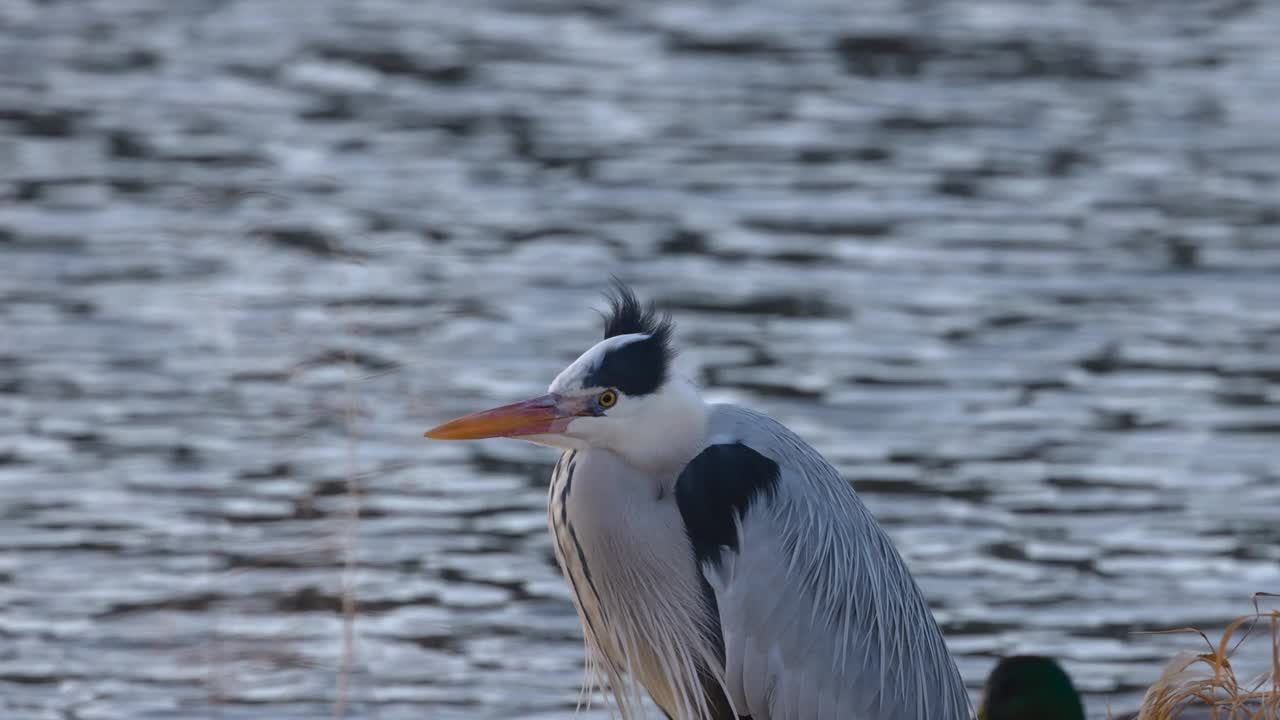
570, 378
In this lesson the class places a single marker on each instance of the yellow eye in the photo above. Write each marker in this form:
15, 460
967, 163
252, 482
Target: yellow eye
608, 399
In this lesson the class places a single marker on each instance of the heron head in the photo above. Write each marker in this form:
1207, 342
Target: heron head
621, 395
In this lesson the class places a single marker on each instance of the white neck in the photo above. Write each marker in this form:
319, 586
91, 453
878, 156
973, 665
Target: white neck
665, 432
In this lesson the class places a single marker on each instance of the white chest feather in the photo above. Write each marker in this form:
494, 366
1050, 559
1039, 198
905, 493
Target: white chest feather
624, 551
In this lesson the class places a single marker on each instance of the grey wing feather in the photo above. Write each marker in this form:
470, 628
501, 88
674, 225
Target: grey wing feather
820, 616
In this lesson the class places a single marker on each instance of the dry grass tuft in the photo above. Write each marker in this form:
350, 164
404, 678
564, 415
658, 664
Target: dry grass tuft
1205, 685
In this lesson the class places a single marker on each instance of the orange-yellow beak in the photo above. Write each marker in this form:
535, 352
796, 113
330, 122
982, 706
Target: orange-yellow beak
547, 414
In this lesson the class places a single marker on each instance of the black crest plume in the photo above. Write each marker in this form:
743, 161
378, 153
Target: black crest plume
640, 367
627, 315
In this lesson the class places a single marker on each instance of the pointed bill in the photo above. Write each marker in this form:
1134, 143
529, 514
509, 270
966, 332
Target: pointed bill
546, 414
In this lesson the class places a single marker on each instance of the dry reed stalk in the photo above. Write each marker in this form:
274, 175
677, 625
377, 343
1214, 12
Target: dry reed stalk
1208, 683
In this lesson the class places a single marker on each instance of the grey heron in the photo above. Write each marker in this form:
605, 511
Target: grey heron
715, 559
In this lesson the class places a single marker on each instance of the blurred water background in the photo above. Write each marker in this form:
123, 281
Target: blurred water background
1013, 265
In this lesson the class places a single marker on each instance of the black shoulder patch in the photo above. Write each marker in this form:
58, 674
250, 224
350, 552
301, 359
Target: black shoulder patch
639, 367
715, 489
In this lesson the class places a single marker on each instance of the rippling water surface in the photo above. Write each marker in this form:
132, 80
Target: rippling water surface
1013, 266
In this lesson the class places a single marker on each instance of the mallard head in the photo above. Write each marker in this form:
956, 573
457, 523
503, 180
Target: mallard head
1030, 687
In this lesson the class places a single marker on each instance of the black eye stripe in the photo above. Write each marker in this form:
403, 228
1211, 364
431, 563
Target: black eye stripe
636, 368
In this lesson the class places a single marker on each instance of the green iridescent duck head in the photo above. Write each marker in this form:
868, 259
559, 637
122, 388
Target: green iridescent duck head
1030, 687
